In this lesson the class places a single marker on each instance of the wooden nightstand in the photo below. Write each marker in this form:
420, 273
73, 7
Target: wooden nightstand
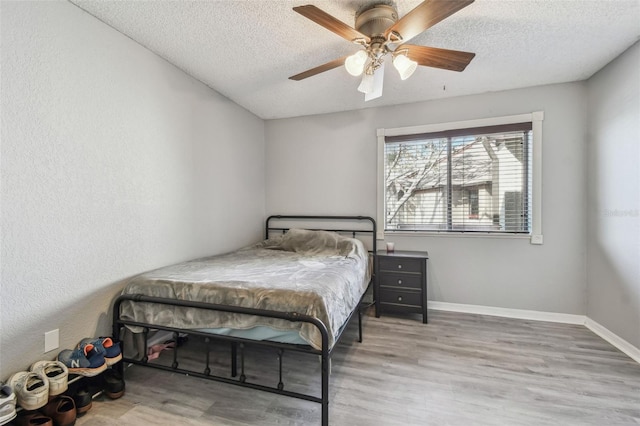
401, 282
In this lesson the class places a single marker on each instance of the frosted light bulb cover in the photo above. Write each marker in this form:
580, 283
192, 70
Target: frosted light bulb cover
355, 63
405, 66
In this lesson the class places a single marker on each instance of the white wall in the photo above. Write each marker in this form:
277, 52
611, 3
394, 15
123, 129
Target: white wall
613, 231
113, 162
327, 164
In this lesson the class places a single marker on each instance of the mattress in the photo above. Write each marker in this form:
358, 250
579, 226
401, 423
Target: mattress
315, 273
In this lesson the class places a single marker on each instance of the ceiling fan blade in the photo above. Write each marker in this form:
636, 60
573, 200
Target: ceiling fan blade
317, 70
453, 60
321, 17
424, 16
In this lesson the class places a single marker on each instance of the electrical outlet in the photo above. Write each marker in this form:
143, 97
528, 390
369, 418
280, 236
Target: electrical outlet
51, 340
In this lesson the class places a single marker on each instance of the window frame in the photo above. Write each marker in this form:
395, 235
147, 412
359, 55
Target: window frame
536, 118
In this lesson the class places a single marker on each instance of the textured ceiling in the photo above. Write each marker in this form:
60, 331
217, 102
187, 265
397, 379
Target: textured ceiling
247, 49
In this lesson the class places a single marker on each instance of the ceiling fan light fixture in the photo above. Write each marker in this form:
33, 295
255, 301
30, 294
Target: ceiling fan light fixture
379, 32
366, 85
355, 63
404, 65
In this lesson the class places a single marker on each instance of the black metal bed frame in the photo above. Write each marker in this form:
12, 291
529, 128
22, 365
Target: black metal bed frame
324, 352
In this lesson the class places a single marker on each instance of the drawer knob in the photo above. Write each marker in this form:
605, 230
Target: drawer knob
399, 266
399, 298
399, 281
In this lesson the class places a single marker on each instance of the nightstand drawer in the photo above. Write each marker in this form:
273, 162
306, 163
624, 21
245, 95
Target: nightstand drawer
400, 297
401, 282
389, 279
401, 264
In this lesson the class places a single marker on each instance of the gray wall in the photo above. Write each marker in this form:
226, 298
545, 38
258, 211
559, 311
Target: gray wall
113, 162
613, 266
327, 164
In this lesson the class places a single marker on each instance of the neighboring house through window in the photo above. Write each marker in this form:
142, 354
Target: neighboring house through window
473, 176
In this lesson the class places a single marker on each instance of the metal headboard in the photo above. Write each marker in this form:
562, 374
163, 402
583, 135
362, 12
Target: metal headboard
369, 223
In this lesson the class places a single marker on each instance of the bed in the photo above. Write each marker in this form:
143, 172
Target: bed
296, 290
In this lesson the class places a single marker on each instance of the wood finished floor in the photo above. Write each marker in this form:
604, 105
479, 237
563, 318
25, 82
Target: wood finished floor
460, 369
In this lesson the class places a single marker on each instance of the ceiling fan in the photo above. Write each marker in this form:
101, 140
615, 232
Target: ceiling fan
379, 31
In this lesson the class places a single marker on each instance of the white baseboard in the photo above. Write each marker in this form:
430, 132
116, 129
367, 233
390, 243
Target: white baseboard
606, 334
614, 339
509, 313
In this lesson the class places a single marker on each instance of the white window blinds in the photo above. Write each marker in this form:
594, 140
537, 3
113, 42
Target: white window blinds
470, 180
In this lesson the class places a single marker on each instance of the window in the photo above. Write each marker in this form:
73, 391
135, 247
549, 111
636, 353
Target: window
459, 177
474, 203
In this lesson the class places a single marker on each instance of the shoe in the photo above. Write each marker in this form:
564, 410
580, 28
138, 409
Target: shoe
7, 404
85, 360
32, 389
154, 351
57, 374
83, 399
113, 384
62, 411
32, 418
104, 345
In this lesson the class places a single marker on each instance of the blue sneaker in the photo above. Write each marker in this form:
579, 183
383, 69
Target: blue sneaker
85, 360
105, 346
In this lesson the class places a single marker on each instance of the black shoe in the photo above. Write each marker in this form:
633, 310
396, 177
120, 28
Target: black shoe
83, 399
113, 384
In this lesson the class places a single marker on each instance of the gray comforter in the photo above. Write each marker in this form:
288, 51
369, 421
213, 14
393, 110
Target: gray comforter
316, 273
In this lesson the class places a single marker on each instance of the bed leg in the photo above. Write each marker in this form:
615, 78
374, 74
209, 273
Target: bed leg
325, 389
242, 378
234, 359
359, 325
145, 356
207, 370
118, 367
174, 365
280, 383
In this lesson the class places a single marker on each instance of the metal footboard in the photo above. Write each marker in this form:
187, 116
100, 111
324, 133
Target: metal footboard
324, 352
